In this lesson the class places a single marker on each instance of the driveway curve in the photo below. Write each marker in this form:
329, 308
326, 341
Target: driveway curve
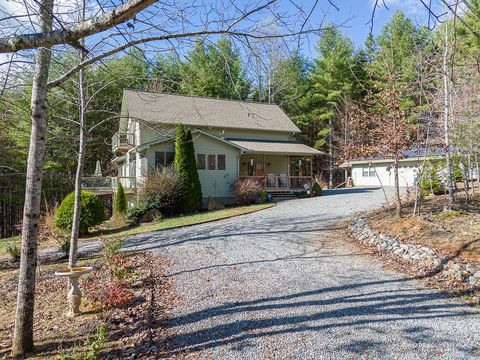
282, 284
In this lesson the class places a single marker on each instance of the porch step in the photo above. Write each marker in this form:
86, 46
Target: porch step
281, 195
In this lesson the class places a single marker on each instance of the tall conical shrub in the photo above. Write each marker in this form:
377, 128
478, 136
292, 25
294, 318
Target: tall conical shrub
120, 201
193, 172
182, 167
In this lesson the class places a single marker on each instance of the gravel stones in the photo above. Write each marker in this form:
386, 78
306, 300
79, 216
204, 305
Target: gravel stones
283, 284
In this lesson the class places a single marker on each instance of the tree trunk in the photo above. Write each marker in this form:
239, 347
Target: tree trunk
446, 120
72, 258
23, 332
398, 202
330, 155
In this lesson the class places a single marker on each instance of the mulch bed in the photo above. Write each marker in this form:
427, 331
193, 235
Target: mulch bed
137, 330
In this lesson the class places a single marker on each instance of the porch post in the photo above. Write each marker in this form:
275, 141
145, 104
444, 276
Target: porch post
311, 166
288, 172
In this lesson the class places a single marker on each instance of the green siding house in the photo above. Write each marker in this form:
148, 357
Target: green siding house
232, 140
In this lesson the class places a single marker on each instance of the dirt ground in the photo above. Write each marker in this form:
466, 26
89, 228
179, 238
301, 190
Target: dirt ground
136, 327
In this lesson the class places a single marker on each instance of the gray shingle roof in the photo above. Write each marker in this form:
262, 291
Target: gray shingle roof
276, 147
207, 112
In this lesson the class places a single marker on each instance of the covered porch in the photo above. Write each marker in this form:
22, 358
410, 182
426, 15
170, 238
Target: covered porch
279, 166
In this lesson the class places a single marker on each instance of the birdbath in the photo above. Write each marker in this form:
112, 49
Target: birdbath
74, 296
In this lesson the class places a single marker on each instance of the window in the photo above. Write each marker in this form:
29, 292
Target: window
368, 172
220, 162
211, 162
163, 158
201, 161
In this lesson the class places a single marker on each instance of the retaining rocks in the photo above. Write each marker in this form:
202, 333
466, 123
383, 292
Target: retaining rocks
454, 268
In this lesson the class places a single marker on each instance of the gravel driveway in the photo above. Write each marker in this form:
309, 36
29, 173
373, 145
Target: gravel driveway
282, 284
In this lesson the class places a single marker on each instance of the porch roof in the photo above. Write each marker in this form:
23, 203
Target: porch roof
272, 147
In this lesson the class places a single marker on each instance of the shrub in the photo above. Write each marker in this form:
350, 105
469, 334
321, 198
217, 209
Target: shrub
432, 184
263, 196
161, 189
134, 213
13, 250
92, 212
248, 190
105, 293
120, 201
316, 189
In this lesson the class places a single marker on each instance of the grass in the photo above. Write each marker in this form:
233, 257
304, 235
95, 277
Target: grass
180, 221
169, 223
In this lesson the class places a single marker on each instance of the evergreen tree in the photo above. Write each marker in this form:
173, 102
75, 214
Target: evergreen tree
120, 207
214, 70
194, 181
182, 166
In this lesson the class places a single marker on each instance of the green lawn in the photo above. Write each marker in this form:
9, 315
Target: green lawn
170, 223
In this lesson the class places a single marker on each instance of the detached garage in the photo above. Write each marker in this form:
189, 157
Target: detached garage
378, 172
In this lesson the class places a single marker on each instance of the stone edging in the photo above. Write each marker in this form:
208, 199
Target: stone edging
456, 268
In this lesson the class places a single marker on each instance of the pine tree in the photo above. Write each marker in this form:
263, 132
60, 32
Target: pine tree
194, 181
120, 207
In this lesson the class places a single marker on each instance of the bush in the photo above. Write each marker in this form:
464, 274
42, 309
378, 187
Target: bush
162, 190
134, 213
106, 293
120, 201
92, 212
316, 189
433, 186
13, 250
248, 190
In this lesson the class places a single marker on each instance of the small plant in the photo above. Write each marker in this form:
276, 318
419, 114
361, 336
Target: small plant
120, 207
106, 293
263, 197
157, 217
13, 250
92, 212
316, 189
111, 246
404, 230
248, 190
94, 345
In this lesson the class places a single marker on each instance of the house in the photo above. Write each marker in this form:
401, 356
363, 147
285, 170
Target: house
379, 171
232, 139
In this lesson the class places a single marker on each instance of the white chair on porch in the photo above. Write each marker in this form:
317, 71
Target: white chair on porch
271, 180
283, 180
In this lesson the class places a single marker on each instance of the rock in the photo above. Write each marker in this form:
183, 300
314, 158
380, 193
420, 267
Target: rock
476, 275
150, 215
214, 204
472, 269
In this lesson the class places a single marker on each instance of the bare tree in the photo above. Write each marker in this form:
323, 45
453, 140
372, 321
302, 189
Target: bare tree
109, 30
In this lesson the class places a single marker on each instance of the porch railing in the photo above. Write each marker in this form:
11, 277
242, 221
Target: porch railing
105, 183
283, 182
123, 141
